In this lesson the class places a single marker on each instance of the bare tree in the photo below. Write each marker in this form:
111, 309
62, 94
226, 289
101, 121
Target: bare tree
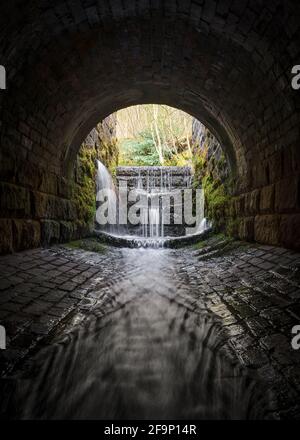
168, 127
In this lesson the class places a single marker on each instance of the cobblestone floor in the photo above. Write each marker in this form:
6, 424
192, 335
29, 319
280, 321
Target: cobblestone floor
253, 290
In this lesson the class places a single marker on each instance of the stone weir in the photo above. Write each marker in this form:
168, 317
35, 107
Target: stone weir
155, 177
156, 180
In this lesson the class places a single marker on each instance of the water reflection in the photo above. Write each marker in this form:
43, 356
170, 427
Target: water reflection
141, 353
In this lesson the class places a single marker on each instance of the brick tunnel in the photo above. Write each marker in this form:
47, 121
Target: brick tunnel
100, 331
70, 64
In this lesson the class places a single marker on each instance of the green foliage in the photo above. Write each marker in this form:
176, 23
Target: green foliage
178, 159
140, 151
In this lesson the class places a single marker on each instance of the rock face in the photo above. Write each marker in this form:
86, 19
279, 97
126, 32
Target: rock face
212, 172
209, 149
102, 139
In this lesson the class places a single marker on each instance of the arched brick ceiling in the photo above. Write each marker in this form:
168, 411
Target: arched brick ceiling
71, 63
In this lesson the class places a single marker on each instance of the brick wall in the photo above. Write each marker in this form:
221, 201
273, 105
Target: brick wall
228, 63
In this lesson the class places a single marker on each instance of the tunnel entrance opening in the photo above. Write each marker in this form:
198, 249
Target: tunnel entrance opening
158, 170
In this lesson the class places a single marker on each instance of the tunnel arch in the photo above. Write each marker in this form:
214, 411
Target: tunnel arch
200, 114
71, 63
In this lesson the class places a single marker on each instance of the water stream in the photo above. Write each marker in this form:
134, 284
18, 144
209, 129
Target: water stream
143, 351
159, 198
141, 344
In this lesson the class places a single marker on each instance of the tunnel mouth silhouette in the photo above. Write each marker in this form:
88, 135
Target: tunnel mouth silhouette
201, 115
154, 165
218, 64
115, 319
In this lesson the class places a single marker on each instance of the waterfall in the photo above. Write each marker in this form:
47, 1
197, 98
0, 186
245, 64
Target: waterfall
103, 179
106, 192
152, 212
203, 225
164, 203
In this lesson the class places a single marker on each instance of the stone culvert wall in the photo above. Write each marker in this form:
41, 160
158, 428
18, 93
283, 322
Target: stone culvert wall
208, 154
60, 209
71, 64
102, 139
212, 172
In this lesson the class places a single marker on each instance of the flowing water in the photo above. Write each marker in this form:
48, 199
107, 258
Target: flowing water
160, 198
106, 195
155, 190
146, 350
152, 213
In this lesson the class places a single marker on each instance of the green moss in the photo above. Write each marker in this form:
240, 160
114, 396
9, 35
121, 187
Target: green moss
84, 187
200, 245
84, 191
216, 200
199, 163
109, 155
232, 227
220, 236
91, 245
178, 160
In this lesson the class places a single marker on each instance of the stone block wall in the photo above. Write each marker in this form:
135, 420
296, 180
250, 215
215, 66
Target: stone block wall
209, 150
31, 217
271, 213
39, 207
180, 177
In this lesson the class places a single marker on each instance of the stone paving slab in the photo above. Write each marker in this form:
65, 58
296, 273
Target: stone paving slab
258, 288
253, 290
38, 289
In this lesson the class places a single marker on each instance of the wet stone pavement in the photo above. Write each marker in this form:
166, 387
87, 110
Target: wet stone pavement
151, 333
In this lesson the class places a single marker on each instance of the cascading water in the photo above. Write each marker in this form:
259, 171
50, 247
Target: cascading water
106, 192
104, 179
143, 343
153, 212
159, 191
204, 225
